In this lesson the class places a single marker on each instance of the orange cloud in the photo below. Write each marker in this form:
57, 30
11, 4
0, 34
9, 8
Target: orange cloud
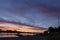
20, 28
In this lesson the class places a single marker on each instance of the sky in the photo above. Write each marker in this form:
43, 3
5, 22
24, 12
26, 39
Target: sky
40, 13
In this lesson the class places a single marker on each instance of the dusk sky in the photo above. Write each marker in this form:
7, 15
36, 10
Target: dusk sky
41, 13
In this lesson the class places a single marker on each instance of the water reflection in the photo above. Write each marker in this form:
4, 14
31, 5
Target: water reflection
8, 35
15, 34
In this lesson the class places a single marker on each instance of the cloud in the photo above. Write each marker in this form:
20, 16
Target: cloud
32, 12
48, 7
48, 11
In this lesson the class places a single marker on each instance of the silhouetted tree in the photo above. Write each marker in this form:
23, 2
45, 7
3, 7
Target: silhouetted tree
55, 29
46, 33
59, 29
50, 29
0, 30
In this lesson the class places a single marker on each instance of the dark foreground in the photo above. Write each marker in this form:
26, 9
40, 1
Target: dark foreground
23, 38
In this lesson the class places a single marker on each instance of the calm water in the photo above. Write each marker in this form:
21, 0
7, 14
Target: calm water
8, 35
13, 36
